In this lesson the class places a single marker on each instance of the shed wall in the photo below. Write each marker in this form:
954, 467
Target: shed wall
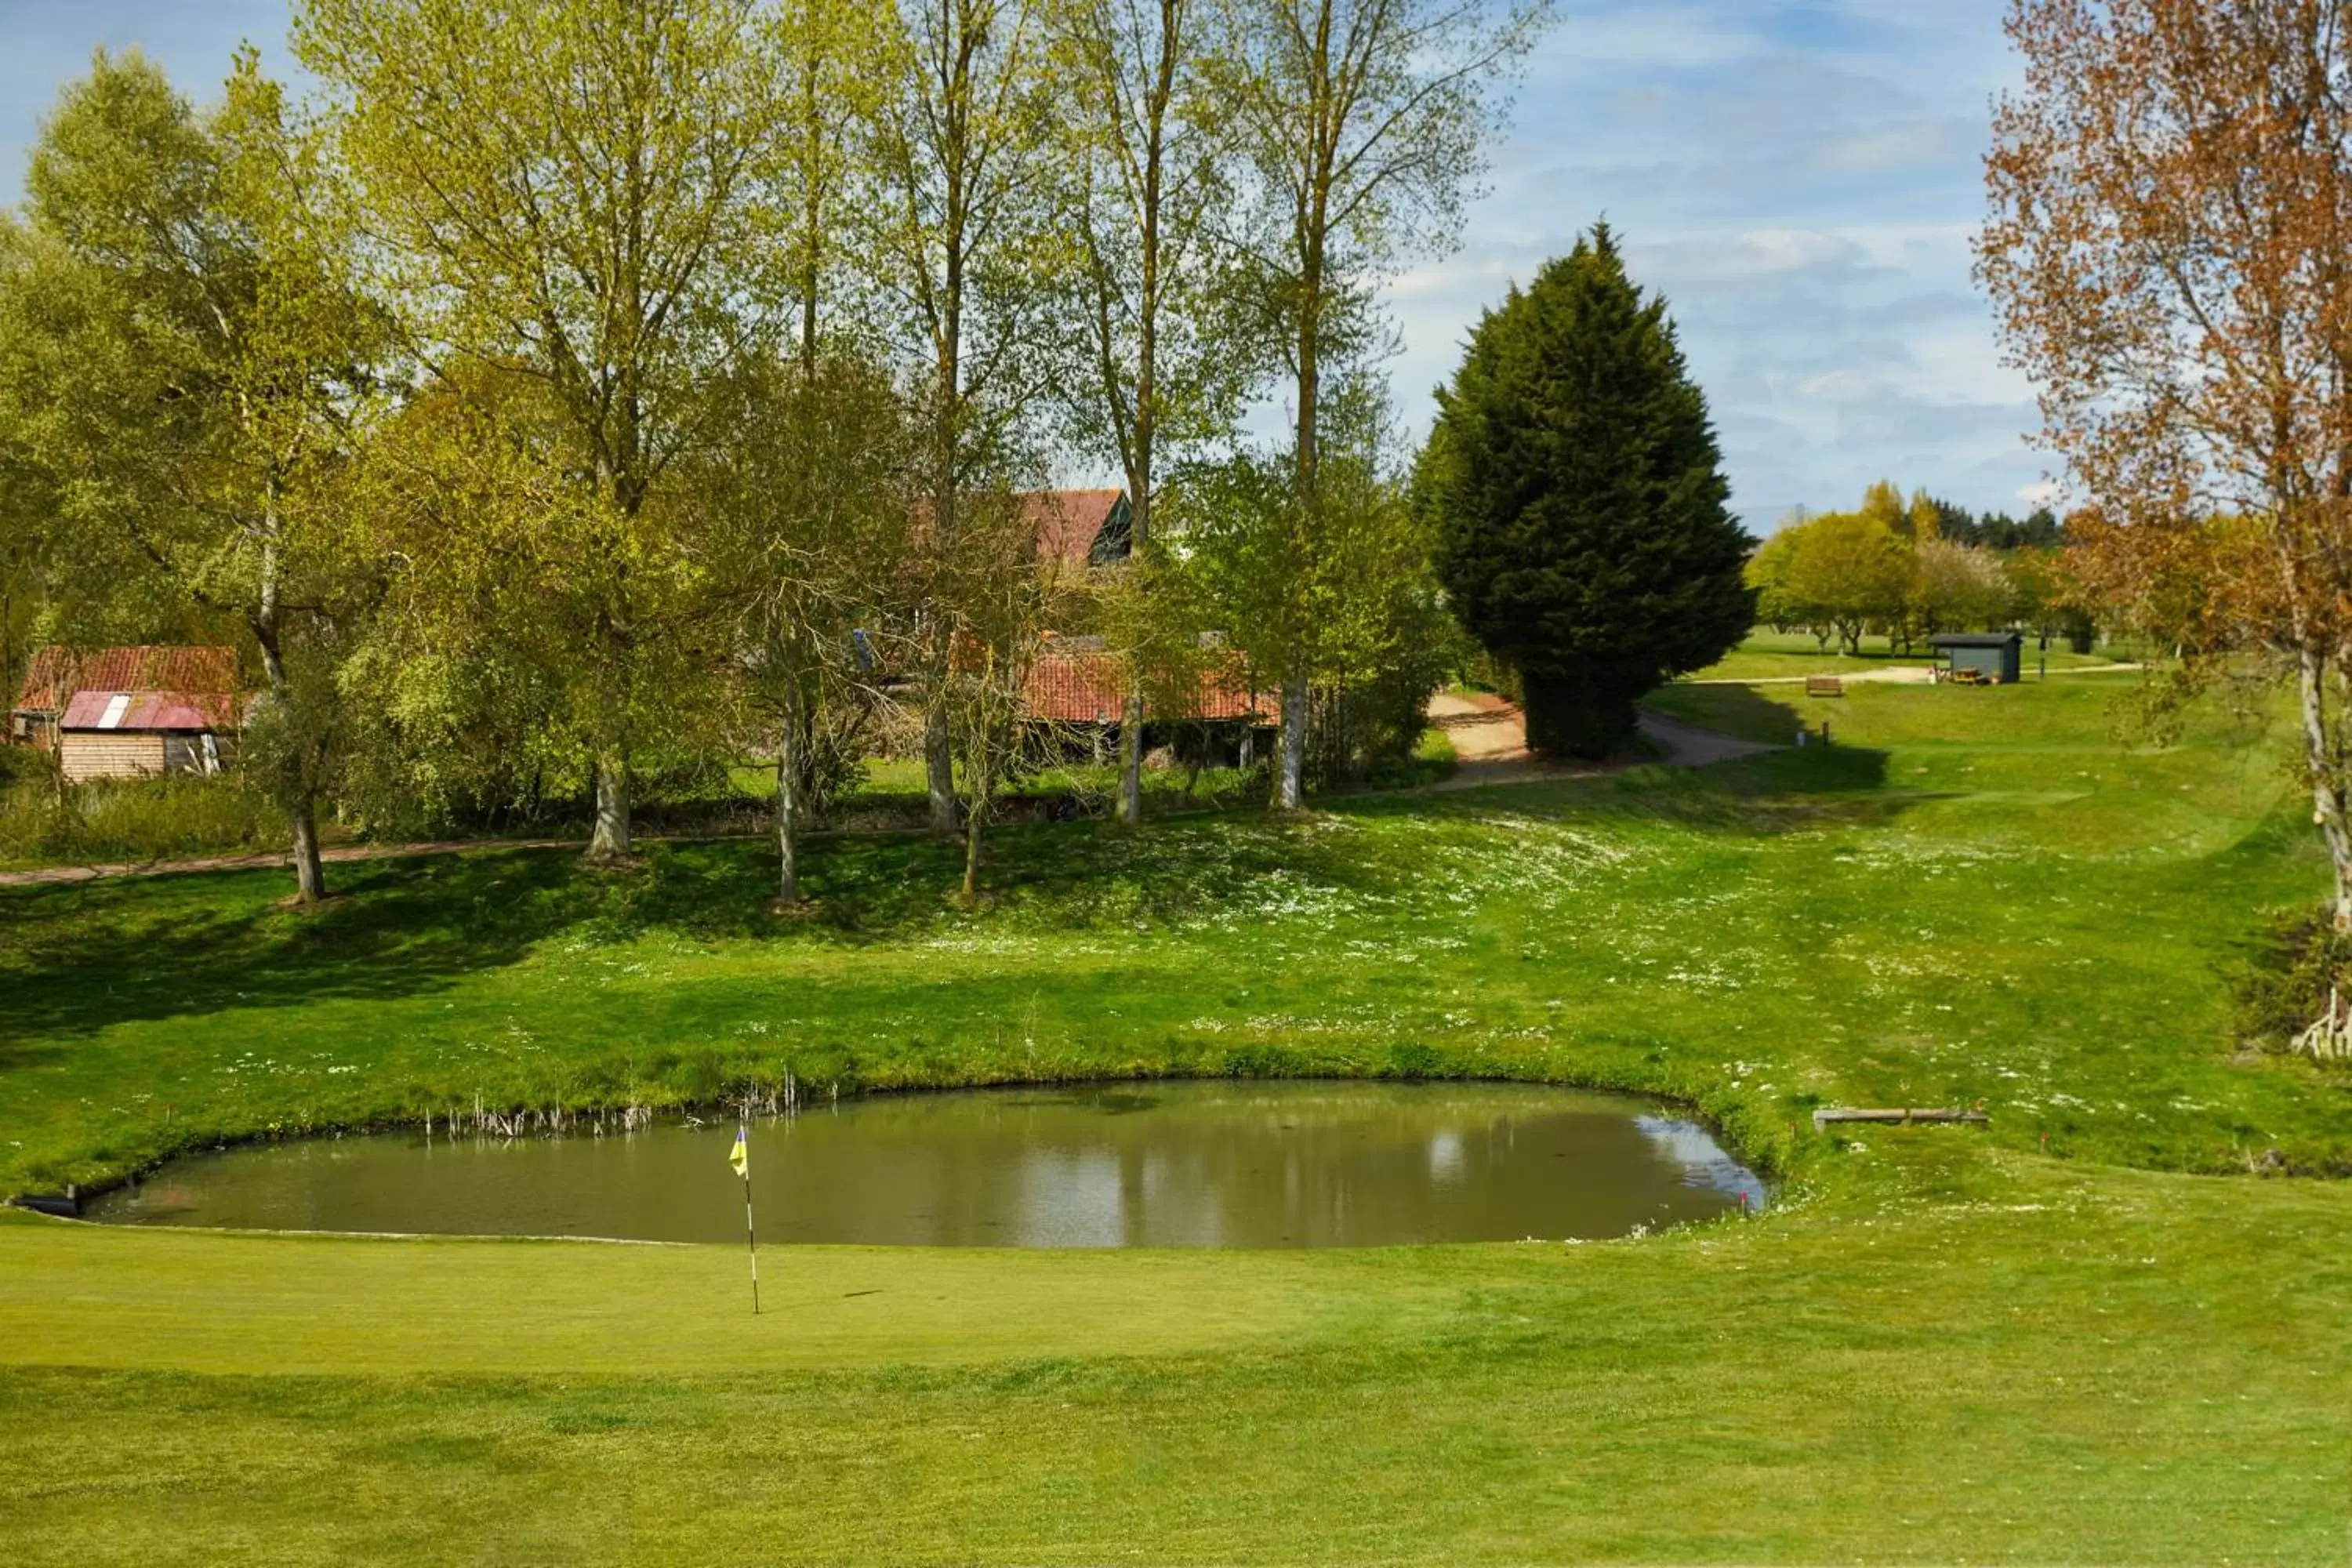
1996, 664
85, 755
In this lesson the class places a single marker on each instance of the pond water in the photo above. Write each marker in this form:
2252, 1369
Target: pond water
1209, 1163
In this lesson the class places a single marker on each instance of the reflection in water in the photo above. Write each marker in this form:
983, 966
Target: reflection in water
1216, 1164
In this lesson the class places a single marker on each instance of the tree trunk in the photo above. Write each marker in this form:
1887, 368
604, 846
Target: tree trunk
972, 859
788, 809
939, 766
610, 841
1131, 760
300, 801
309, 877
1289, 793
2328, 783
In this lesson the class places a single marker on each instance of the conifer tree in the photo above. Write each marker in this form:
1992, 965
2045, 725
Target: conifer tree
1578, 498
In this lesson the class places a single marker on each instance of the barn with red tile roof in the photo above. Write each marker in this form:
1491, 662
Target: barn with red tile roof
128, 712
1079, 529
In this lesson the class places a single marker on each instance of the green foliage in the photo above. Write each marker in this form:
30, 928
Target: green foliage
575, 206
134, 820
1839, 572
2301, 966
187, 355
1331, 589
1576, 493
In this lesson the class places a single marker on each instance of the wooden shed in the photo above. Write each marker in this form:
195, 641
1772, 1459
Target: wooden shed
56, 673
1992, 659
134, 735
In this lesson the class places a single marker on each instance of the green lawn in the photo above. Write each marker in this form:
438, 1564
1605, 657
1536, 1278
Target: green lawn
1944, 1345
1768, 655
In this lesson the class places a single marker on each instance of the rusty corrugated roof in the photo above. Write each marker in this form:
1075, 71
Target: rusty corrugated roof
148, 710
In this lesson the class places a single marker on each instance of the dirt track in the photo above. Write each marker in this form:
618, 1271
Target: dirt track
1489, 737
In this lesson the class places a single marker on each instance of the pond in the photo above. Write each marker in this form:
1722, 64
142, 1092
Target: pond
1206, 1163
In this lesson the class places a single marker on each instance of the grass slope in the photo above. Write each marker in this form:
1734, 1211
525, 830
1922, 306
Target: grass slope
1946, 1346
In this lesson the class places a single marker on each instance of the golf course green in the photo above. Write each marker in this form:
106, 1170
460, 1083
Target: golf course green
2107, 1325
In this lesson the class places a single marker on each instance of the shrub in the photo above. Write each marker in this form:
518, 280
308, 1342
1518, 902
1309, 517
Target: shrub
2286, 984
134, 820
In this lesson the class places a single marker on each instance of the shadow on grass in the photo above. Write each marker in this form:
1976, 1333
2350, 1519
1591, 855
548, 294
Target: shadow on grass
1748, 712
76, 957
80, 957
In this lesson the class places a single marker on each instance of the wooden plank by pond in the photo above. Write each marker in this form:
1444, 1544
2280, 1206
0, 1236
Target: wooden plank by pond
1828, 1114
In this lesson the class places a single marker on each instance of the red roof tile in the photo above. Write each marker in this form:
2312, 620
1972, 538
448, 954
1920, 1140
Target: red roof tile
1068, 522
56, 674
1086, 687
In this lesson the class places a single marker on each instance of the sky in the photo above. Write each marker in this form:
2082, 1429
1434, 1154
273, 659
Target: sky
1800, 178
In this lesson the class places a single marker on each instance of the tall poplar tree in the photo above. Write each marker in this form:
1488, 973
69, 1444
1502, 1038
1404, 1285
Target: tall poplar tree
1166, 370
1578, 501
970, 162
582, 193
1364, 121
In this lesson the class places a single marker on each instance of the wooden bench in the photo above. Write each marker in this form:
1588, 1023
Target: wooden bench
1825, 685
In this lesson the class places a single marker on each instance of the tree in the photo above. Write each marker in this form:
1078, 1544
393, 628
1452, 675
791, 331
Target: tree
1840, 572
29, 504
582, 193
1582, 530
182, 311
1768, 571
970, 155
839, 56
1336, 599
804, 529
1167, 371
1363, 122
1957, 587
995, 605
2170, 249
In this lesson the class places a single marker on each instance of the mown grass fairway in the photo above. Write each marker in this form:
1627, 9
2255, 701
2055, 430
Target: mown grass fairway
1948, 1345
1768, 655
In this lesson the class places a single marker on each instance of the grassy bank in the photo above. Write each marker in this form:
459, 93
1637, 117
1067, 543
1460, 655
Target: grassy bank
1977, 895
1948, 1345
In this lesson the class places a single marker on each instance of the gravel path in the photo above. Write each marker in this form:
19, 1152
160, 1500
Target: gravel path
1490, 738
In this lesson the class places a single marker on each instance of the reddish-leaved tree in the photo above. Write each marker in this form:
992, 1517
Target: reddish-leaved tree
2169, 246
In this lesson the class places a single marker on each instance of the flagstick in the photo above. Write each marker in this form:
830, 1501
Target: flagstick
751, 1237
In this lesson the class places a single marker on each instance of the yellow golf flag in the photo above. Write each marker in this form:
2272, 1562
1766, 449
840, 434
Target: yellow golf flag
740, 1156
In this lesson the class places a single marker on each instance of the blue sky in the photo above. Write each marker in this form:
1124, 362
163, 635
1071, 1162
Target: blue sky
1801, 178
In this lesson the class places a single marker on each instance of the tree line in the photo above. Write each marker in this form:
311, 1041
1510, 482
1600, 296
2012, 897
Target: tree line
566, 389
1907, 570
